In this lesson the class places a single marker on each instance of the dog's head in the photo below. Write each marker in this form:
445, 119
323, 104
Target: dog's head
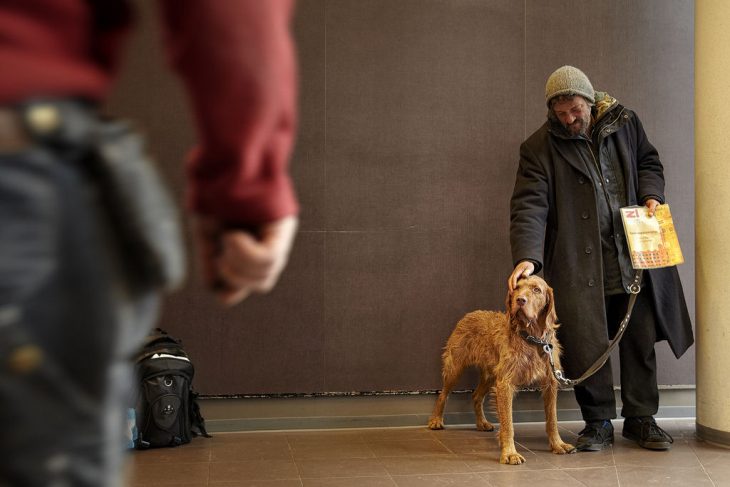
531, 306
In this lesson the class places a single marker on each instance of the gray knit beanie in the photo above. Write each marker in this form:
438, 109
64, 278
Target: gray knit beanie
568, 80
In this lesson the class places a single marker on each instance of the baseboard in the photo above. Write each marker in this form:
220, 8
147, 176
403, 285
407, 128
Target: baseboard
713, 436
396, 410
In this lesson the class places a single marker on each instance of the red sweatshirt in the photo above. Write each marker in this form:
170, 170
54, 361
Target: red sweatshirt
235, 57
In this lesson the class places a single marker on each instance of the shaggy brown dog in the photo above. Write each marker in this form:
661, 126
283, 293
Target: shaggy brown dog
492, 342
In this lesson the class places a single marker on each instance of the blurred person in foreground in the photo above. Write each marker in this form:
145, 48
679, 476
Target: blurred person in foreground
72, 306
590, 158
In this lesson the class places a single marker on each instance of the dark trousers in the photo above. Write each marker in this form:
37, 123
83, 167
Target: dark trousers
639, 391
67, 325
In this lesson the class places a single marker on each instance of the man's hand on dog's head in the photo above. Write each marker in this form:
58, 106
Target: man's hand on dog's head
523, 269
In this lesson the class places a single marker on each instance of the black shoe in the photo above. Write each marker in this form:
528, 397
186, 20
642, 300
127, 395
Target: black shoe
596, 436
647, 433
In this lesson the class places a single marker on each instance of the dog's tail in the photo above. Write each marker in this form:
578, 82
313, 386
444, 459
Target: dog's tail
447, 361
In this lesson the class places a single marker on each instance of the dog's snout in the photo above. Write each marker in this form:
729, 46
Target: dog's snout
521, 300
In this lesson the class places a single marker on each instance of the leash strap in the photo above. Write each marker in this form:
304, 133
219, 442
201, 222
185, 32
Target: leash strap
547, 347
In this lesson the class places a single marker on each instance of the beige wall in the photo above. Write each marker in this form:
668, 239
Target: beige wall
412, 112
713, 331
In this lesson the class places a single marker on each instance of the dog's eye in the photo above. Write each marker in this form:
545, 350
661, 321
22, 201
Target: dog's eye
536, 290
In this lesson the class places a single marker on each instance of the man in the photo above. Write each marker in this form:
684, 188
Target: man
590, 158
70, 315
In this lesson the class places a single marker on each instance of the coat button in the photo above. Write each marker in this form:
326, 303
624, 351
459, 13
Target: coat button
588, 250
591, 283
581, 180
584, 215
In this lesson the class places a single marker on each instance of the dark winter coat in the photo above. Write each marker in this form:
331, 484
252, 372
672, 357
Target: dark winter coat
554, 223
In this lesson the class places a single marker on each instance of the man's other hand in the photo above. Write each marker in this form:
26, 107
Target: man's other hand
651, 204
236, 263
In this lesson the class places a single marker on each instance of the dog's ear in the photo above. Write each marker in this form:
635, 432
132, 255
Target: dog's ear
508, 303
551, 317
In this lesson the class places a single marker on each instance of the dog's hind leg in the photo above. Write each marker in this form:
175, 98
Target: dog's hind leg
485, 384
450, 373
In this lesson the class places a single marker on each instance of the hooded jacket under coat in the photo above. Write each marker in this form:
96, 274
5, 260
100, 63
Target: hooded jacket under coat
554, 223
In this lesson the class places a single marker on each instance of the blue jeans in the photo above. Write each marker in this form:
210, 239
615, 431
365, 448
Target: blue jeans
68, 324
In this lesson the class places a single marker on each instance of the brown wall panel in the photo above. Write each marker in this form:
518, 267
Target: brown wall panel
411, 115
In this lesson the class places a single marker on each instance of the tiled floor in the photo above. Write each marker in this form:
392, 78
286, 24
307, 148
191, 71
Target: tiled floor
405, 457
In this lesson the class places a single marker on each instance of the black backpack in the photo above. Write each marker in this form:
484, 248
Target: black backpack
166, 413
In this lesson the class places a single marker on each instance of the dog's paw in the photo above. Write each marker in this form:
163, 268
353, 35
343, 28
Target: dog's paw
511, 458
563, 448
436, 423
485, 425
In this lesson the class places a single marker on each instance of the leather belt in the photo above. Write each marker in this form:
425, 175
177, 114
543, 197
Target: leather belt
13, 134
19, 126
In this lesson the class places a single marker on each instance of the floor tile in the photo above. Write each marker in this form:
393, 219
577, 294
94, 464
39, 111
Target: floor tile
350, 482
709, 454
470, 445
547, 478
345, 467
629, 454
396, 434
328, 437
630, 476
253, 470
176, 484
462, 432
246, 437
259, 483
330, 450
595, 477
250, 450
715, 460
407, 448
180, 454
169, 473
456, 480
428, 464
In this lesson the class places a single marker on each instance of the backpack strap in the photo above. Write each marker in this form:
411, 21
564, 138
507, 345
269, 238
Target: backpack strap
197, 423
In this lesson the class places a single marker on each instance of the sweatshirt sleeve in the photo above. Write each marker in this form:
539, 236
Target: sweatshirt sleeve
238, 65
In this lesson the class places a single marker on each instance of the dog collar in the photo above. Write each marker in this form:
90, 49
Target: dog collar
543, 342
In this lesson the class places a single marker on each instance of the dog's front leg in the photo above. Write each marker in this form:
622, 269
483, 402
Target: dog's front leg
504, 393
550, 399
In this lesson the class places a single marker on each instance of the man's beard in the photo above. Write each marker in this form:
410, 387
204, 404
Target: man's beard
579, 126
